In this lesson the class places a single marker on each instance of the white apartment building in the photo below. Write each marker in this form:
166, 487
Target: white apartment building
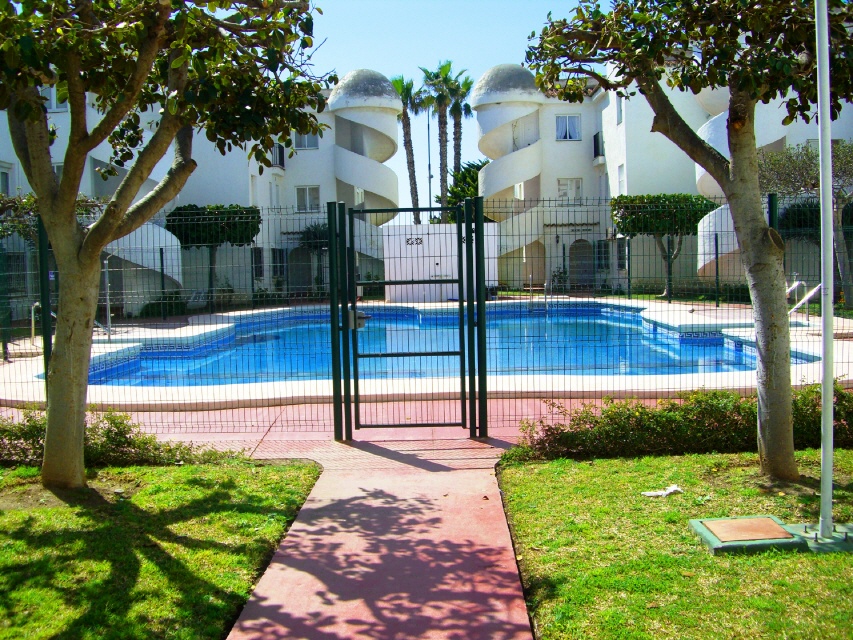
133, 262
554, 162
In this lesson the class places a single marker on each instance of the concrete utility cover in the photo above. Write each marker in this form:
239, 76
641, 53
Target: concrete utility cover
743, 529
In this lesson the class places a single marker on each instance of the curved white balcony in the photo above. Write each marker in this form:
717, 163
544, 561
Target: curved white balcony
519, 166
143, 246
369, 175
768, 129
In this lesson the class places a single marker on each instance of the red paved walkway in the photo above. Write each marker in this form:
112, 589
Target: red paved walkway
393, 554
399, 539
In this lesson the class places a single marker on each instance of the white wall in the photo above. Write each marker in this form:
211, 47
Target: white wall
430, 252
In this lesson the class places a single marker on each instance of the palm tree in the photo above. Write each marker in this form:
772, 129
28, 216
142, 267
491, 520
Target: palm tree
439, 84
460, 90
413, 104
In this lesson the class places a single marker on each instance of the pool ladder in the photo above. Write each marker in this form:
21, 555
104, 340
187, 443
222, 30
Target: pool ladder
809, 295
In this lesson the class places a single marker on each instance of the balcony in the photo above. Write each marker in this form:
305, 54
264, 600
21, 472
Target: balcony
277, 156
598, 148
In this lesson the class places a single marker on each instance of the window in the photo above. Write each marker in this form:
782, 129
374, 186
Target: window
602, 255
621, 254
604, 186
621, 175
16, 273
359, 196
307, 199
258, 263
51, 103
568, 127
619, 100
518, 191
814, 143
5, 182
570, 189
277, 258
306, 141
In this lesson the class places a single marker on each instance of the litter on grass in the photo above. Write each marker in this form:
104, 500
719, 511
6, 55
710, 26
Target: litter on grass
673, 488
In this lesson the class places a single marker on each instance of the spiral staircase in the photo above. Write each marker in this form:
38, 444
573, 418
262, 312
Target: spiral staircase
507, 102
365, 106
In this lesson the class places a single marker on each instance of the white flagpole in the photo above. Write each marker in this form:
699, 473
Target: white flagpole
826, 243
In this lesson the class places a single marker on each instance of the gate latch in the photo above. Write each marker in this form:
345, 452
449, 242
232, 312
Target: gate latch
357, 321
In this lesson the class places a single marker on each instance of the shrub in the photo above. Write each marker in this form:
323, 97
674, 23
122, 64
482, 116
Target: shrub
695, 422
111, 439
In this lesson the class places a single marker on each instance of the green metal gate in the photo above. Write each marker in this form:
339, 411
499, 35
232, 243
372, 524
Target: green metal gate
465, 345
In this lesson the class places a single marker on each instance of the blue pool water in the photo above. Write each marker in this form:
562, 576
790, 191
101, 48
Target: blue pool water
595, 340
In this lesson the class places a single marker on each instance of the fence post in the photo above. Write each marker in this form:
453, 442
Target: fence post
472, 326
343, 276
669, 269
252, 275
162, 283
773, 210
628, 263
480, 256
717, 268
44, 297
107, 301
334, 321
5, 306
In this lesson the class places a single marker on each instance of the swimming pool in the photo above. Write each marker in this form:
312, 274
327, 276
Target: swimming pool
590, 339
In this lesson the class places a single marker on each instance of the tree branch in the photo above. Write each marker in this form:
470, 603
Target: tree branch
74, 161
670, 123
166, 190
31, 140
144, 63
103, 231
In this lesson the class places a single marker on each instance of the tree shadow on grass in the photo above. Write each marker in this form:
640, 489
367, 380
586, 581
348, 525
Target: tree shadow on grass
372, 566
66, 564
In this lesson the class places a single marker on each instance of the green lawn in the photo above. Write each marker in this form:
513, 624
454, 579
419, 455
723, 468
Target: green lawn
146, 552
599, 560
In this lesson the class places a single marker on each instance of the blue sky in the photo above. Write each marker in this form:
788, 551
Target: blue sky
398, 36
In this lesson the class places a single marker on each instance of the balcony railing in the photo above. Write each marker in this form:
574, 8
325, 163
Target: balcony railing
277, 156
598, 145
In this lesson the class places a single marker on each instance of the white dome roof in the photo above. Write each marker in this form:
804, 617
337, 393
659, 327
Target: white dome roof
364, 88
506, 83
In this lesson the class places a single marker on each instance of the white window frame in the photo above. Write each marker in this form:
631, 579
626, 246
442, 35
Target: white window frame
52, 104
568, 137
6, 189
518, 191
303, 141
359, 196
306, 189
622, 183
565, 186
620, 115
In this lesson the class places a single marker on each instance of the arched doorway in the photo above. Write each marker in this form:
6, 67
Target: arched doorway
581, 265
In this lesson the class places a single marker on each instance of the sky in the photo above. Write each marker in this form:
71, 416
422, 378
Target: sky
396, 37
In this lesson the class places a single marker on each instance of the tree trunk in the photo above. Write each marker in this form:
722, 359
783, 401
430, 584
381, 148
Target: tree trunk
211, 276
410, 163
842, 256
457, 143
762, 252
442, 161
68, 376
667, 265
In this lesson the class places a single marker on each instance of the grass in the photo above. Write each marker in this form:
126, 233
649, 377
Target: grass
599, 560
145, 552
